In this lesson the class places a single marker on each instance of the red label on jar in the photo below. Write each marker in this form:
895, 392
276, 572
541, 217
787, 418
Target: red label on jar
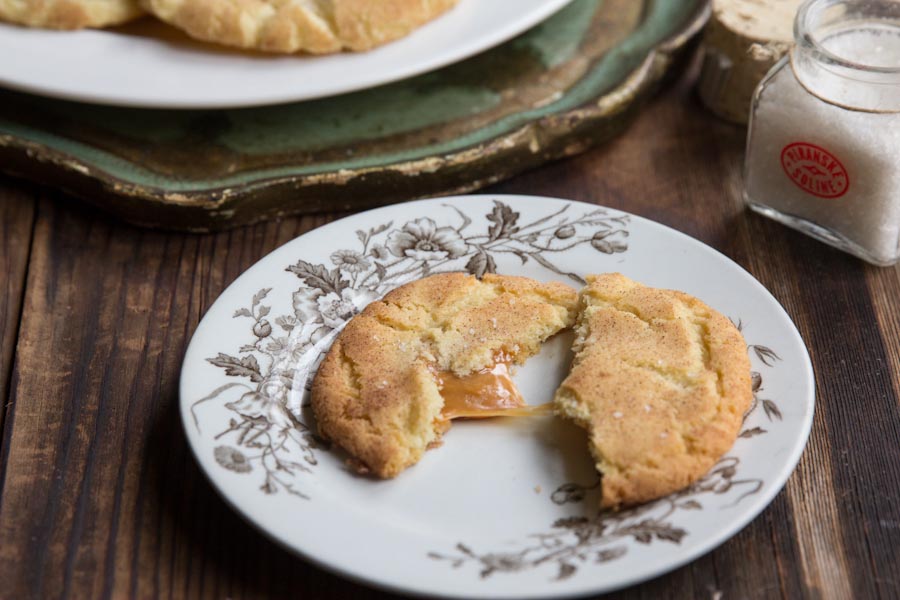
815, 170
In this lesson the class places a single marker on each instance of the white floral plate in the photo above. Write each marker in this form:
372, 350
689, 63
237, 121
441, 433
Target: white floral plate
148, 64
506, 507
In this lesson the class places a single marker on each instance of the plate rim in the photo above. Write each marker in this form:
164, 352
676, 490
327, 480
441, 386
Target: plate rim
445, 57
706, 545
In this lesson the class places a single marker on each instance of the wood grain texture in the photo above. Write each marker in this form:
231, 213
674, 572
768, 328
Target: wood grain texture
101, 497
16, 222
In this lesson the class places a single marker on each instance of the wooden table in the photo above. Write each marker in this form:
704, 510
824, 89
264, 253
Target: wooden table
101, 496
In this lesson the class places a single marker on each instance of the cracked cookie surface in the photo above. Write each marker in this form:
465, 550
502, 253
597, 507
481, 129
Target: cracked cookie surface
377, 393
288, 26
660, 381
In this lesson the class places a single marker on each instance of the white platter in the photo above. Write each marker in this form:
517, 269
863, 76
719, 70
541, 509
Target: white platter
147, 64
506, 507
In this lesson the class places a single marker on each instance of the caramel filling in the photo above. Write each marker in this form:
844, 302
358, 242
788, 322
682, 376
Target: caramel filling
487, 393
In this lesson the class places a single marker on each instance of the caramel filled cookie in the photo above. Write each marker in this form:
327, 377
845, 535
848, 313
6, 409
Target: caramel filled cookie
429, 351
660, 381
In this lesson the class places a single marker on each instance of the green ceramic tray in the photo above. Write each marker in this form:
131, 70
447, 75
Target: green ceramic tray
567, 84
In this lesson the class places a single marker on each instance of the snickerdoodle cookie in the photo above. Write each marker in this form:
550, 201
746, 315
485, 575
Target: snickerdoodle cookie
69, 14
288, 26
429, 351
660, 381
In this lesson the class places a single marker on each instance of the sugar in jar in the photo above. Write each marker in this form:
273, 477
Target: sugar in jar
823, 149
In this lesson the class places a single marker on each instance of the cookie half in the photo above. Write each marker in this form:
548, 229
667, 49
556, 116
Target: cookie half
429, 351
289, 26
69, 14
660, 381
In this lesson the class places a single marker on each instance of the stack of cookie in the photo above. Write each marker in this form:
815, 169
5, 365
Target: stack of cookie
660, 380
282, 26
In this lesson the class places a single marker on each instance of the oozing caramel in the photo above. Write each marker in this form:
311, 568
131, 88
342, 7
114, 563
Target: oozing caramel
487, 393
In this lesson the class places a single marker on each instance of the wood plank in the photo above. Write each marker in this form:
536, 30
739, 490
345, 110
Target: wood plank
16, 221
884, 287
882, 527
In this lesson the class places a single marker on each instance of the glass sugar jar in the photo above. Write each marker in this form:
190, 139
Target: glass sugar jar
823, 149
